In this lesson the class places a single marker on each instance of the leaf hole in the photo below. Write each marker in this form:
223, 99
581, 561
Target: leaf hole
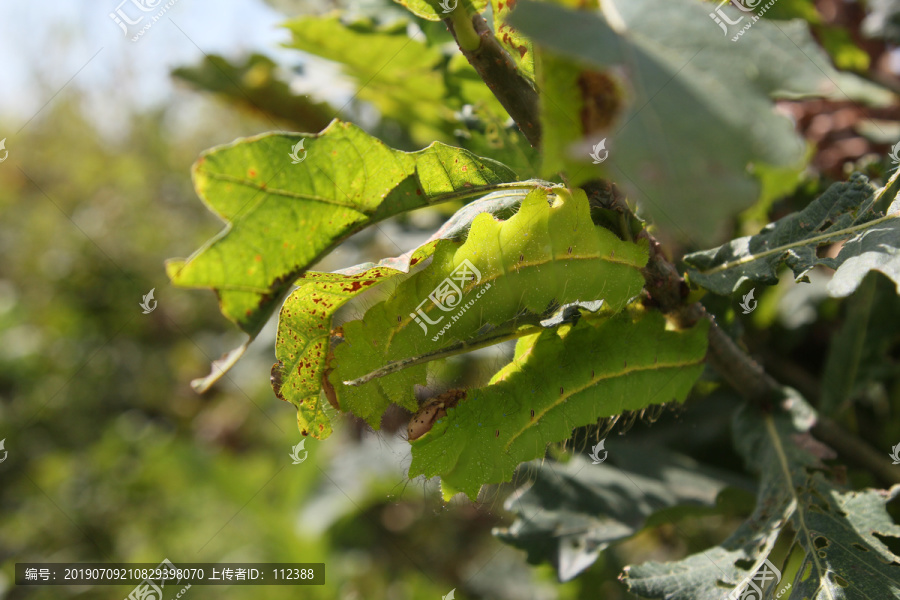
892, 542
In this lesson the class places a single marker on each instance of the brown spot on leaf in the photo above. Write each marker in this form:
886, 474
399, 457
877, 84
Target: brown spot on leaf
601, 99
276, 379
330, 393
358, 285
431, 411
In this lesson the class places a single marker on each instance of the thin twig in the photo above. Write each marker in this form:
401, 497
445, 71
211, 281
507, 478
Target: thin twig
498, 70
454, 349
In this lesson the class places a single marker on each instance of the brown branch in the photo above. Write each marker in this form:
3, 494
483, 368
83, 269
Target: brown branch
498, 70
667, 290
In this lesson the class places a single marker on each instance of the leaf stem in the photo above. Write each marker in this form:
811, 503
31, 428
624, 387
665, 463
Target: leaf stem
819, 239
466, 36
891, 186
461, 347
487, 189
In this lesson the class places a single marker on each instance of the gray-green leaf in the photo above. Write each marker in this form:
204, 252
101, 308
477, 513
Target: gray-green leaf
699, 105
568, 514
833, 530
846, 211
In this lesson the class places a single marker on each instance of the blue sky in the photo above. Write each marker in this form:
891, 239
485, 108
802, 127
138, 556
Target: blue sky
45, 45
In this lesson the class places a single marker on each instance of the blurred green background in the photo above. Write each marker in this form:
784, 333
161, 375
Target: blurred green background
111, 455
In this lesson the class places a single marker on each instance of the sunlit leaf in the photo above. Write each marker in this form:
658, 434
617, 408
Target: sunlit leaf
255, 85
559, 380
517, 45
282, 217
548, 253
435, 10
305, 322
397, 73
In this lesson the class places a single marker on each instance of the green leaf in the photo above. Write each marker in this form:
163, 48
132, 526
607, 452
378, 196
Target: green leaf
843, 49
568, 513
400, 75
517, 45
846, 211
304, 333
835, 531
690, 109
559, 380
877, 248
883, 20
846, 351
432, 10
489, 132
304, 325
254, 85
283, 217
549, 253
859, 353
